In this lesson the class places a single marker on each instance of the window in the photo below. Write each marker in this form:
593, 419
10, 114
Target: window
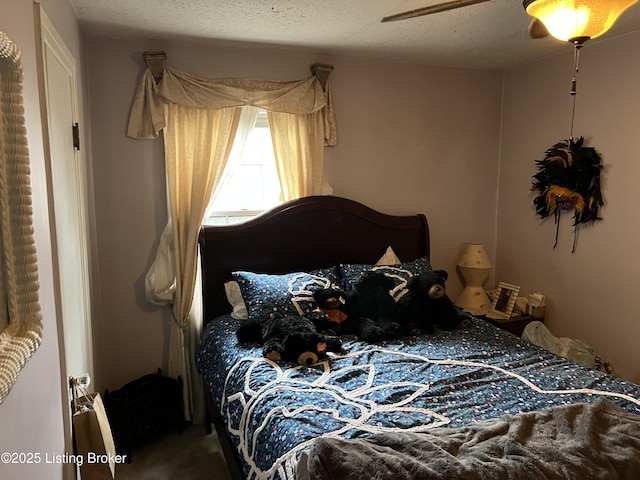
250, 183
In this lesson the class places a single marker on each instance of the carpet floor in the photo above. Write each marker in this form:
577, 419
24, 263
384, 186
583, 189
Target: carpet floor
190, 456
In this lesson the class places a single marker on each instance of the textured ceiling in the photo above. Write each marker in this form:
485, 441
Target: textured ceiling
486, 35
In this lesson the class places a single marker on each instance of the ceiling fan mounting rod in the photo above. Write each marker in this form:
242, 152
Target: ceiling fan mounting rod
440, 7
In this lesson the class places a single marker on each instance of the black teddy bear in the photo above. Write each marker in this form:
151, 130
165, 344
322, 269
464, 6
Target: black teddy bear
330, 317
289, 338
427, 304
367, 312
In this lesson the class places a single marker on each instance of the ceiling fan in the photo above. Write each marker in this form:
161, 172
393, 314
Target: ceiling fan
536, 27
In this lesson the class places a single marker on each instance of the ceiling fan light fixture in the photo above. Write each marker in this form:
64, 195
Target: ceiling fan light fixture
577, 20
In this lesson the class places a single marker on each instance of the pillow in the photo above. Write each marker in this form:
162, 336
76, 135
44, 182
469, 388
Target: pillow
287, 294
389, 258
234, 296
401, 273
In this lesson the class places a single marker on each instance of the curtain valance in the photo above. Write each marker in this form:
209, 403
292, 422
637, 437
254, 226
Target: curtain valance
298, 97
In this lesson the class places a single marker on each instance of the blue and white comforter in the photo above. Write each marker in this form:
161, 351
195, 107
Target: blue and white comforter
274, 411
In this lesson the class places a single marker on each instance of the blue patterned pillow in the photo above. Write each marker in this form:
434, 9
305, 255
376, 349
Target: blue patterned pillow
287, 294
400, 273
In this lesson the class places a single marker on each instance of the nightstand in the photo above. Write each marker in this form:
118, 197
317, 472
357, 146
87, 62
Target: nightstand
514, 324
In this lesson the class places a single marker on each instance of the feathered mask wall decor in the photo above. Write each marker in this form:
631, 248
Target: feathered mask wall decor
568, 179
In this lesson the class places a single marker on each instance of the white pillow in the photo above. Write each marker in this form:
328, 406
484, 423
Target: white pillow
234, 296
389, 258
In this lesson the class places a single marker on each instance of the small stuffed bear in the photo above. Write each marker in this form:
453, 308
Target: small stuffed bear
290, 338
429, 306
332, 320
373, 308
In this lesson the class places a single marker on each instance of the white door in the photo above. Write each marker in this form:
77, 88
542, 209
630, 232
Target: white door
67, 198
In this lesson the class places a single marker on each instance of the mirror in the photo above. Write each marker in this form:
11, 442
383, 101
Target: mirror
20, 317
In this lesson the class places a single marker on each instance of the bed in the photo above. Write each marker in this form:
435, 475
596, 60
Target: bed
282, 421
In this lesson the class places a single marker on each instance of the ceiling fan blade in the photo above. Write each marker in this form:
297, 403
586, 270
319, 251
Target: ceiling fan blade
537, 29
440, 7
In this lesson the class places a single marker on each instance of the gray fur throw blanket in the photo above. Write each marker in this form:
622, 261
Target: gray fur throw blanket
578, 441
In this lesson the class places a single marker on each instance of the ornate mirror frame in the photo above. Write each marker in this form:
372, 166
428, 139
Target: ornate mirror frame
20, 317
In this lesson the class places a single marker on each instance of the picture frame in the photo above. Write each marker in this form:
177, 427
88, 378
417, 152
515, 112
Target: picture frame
504, 300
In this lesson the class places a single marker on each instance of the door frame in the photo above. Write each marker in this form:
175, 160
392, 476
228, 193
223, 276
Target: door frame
47, 39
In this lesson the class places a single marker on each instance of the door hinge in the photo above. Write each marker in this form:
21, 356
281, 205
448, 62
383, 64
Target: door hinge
76, 136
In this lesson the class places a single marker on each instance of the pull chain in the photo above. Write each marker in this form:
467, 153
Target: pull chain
577, 43
574, 83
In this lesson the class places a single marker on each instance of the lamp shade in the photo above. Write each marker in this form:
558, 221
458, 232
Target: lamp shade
475, 266
570, 20
475, 256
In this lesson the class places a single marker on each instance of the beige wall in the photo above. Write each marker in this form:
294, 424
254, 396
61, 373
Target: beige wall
412, 139
590, 292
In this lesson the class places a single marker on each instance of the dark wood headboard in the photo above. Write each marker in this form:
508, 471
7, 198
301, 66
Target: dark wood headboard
301, 235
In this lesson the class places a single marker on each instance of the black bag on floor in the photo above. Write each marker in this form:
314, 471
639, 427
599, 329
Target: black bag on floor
143, 409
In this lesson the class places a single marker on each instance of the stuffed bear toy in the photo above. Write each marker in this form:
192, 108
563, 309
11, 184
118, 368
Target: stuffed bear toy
429, 306
330, 317
368, 311
290, 338
373, 309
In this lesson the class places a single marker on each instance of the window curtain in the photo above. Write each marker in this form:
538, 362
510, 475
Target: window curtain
248, 118
197, 144
296, 145
199, 118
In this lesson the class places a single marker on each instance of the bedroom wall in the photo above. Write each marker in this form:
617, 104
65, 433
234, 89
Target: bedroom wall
412, 139
590, 293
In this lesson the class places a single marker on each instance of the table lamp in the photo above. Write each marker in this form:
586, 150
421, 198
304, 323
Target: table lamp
475, 266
